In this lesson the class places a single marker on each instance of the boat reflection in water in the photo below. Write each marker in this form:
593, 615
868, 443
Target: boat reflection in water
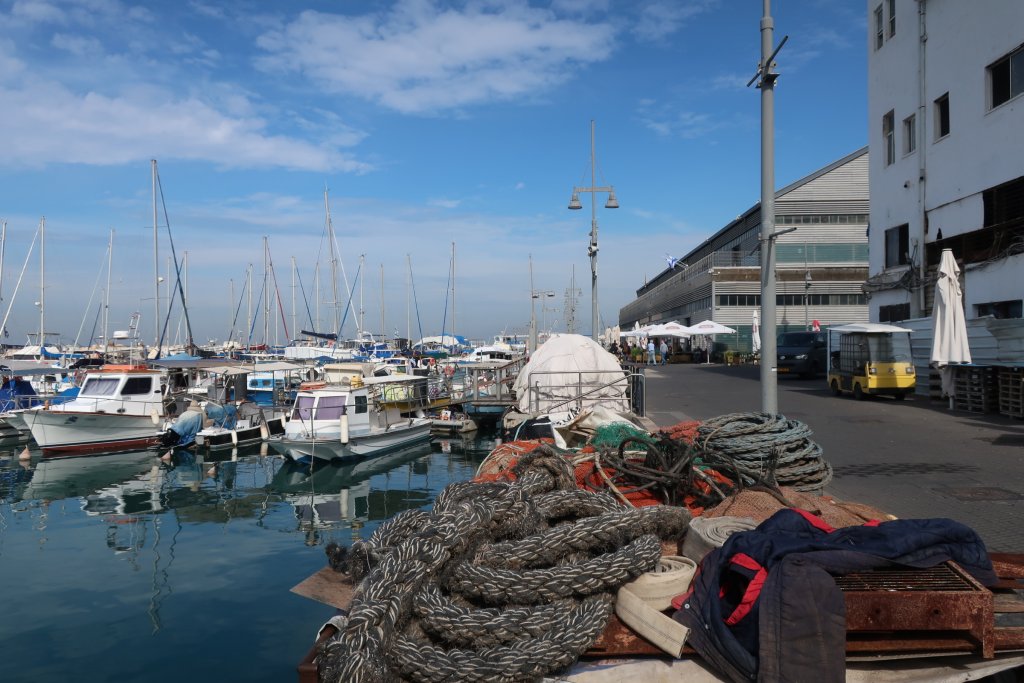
123, 561
329, 494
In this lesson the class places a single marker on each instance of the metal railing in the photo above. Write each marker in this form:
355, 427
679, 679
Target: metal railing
588, 390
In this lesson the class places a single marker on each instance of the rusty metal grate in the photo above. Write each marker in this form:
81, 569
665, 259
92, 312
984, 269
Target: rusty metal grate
938, 578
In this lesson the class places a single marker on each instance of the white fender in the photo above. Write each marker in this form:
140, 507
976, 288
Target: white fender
154, 416
234, 438
344, 428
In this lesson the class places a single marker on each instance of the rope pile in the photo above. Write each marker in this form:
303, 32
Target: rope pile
765, 447
499, 582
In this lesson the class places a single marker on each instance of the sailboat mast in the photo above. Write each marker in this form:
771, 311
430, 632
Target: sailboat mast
295, 329
408, 302
106, 301
453, 292
42, 284
3, 246
266, 294
334, 262
362, 311
156, 263
383, 330
248, 324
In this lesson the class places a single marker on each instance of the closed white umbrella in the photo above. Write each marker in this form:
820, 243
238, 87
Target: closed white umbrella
755, 334
949, 331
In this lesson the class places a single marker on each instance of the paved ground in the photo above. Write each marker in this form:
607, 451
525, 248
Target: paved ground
914, 458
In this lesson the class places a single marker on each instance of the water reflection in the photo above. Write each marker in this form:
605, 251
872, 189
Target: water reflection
189, 548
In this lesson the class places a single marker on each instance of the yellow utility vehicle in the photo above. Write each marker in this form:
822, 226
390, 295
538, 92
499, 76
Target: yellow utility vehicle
870, 359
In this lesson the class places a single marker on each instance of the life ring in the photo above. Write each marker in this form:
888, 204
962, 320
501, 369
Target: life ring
449, 370
432, 362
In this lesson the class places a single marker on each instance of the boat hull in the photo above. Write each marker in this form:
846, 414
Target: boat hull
327, 445
65, 432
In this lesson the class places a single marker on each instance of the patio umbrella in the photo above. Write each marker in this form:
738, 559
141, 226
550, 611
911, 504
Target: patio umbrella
670, 329
949, 331
755, 334
710, 327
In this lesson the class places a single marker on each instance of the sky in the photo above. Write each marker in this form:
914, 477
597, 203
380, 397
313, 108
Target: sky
433, 128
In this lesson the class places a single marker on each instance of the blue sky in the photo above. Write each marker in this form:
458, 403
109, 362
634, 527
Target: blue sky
430, 123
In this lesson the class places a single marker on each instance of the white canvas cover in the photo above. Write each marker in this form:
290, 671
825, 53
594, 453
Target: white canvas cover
755, 334
949, 331
563, 364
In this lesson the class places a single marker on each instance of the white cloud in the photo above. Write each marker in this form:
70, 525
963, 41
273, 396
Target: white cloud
47, 122
660, 19
80, 46
36, 11
520, 185
445, 203
423, 58
666, 121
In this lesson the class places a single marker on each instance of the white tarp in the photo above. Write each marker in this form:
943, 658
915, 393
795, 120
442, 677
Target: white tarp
565, 366
755, 334
949, 332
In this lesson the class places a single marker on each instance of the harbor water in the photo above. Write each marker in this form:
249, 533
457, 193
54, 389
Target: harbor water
129, 567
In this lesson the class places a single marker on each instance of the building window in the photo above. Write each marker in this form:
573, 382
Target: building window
1004, 204
942, 117
1007, 77
893, 314
889, 136
1001, 309
897, 246
909, 134
879, 28
892, 18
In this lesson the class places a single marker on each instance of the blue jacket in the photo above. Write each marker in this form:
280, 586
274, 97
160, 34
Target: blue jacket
764, 606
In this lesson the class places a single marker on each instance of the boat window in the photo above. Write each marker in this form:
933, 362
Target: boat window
303, 408
137, 385
100, 386
330, 407
360, 404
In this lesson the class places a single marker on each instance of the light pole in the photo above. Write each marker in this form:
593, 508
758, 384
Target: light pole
574, 204
766, 83
807, 289
534, 295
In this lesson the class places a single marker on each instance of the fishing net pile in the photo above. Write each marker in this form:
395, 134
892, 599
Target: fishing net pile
500, 581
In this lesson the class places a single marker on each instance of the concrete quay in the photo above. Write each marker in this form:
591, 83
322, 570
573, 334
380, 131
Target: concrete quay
913, 459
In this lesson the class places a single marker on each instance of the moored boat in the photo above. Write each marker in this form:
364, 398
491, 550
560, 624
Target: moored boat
120, 407
355, 419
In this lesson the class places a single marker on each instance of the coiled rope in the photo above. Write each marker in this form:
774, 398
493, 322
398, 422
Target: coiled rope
771, 447
499, 582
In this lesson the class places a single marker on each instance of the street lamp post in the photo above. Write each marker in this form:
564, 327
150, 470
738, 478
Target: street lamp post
534, 295
807, 289
574, 204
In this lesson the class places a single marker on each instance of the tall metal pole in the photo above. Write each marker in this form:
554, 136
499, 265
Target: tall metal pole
574, 203
106, 299
594, 315
156, 263
769, 378
533, 313
42, 285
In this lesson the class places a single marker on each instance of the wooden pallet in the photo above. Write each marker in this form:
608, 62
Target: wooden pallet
1011, 392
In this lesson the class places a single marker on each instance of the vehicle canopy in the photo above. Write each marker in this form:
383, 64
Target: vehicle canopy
850, 346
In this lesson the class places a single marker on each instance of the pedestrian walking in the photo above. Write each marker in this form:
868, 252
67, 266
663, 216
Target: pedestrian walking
650, 352
664, 352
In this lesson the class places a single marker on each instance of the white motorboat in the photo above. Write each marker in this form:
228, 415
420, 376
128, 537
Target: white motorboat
355, 419
120, 407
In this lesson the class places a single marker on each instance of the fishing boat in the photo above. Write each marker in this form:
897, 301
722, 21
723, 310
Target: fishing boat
360, 417
120, 407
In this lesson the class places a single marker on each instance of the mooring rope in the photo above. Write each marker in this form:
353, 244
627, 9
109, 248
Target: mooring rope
546, 558
777, 449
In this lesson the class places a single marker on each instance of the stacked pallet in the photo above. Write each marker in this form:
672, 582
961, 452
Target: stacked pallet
1011, 392
977, 389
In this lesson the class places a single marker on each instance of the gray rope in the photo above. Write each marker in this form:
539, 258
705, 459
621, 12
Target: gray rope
769, 447
402, 624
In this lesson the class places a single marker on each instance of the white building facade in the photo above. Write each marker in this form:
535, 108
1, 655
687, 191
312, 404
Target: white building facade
946, 140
